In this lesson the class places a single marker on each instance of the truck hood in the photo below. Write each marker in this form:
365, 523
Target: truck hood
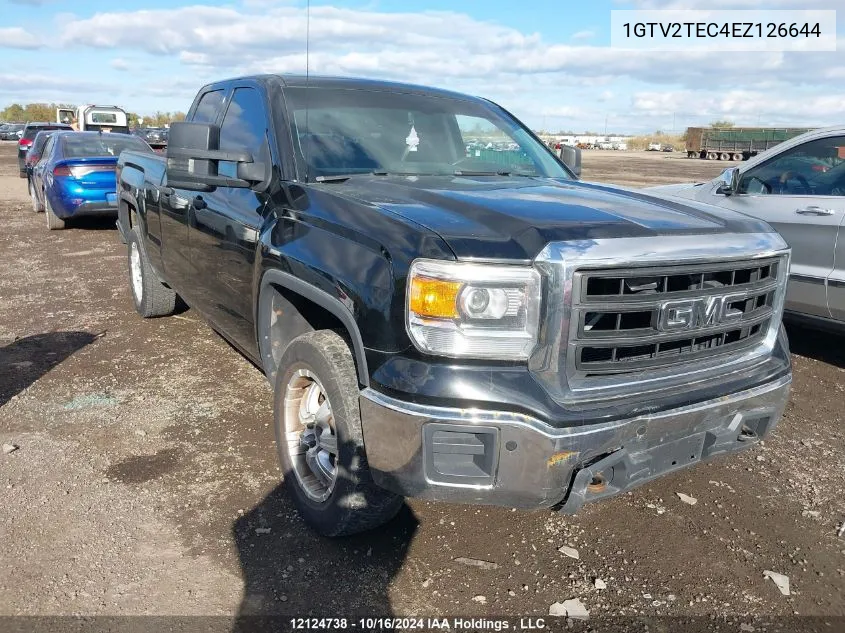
515, 217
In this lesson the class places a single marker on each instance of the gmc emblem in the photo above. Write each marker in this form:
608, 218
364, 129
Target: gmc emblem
698, 313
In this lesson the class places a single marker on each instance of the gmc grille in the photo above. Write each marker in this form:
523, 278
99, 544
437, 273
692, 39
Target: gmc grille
649, 318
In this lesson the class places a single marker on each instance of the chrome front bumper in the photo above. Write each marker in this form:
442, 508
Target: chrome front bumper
514, 460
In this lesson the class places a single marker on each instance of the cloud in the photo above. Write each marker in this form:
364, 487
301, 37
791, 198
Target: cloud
741, 105
16, 37
416, 46
44, 87
196, 59
570, 78
728, 4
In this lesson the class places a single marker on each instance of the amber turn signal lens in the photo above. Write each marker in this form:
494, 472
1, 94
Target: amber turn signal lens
434, 298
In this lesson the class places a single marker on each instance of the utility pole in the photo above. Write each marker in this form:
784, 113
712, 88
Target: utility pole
605, 124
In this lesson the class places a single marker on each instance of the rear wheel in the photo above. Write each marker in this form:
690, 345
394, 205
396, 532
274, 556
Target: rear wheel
151, 297
320, 440
737, 156
36, 206
54, 222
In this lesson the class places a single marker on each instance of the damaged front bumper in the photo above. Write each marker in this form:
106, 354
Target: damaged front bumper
514, 460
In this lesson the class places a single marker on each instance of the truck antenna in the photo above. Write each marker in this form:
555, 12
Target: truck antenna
307, 76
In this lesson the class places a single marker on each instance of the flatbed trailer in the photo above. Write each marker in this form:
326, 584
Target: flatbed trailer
735, 143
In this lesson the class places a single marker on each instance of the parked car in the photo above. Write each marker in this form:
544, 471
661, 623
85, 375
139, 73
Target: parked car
154, 135
28, 136
654, 147
76, 174
668, 148
446, 326
10, 131
798, 187
33, 155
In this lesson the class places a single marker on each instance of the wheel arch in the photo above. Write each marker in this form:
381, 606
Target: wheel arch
289, 307
127, 211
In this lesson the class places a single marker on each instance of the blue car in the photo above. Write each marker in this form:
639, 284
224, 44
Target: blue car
75, 175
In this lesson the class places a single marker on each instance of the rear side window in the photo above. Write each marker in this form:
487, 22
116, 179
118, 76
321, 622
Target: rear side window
244, 128
209, 107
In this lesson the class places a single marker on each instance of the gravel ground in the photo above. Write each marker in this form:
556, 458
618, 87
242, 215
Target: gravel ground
145, 467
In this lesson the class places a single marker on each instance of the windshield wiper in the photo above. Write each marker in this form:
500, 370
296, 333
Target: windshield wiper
377, 172
342, 177
502, 172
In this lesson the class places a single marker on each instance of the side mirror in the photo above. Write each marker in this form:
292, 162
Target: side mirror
729, 182
571, 157
193, 158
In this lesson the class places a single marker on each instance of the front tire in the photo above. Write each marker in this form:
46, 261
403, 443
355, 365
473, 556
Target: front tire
54, 222
320, 440
151, 297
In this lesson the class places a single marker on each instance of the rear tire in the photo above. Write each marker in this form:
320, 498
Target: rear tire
316, 395
54, 222
151, 297
37, 207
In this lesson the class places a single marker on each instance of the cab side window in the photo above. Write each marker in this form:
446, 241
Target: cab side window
244, 129
209, 107
813, 168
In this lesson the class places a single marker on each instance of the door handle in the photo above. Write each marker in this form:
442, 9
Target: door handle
813, 210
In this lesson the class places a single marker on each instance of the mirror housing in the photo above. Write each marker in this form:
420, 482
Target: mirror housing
571, 157
729, 181
193, 155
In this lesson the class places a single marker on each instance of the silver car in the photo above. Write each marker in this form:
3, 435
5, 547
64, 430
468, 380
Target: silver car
799, 188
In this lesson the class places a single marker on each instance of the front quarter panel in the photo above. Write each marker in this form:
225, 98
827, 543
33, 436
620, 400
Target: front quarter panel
353, 253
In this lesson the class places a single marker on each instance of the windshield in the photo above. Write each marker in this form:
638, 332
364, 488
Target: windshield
83, 145
364, 131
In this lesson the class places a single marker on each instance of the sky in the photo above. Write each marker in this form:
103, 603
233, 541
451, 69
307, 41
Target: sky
547, 61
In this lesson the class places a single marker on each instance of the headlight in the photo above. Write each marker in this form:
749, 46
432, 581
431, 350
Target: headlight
473, 310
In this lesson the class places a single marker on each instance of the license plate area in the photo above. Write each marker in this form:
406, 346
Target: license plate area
676, 454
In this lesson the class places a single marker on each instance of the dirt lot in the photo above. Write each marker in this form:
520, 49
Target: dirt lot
146, 464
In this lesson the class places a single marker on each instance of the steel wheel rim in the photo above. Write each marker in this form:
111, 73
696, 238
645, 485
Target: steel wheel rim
309, 435
135, 271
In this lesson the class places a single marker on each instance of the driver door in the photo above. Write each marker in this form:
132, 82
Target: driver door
801, 193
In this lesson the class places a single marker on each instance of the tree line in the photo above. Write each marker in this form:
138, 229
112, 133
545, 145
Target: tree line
47, 112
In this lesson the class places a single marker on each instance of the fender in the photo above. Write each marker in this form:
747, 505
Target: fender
320, 298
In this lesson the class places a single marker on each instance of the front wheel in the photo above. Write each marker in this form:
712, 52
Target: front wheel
151, 297
320, 440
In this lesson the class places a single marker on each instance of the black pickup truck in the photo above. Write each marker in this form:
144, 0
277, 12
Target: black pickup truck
443, 309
